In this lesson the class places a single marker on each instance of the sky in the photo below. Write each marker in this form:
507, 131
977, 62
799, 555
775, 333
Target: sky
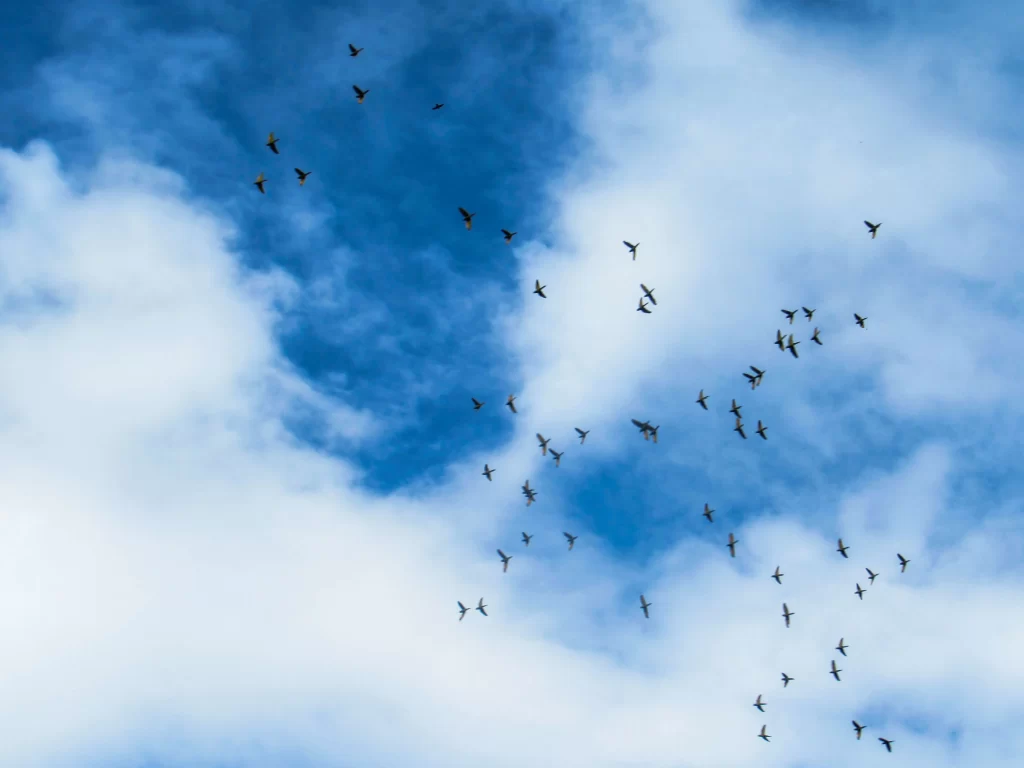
242, 492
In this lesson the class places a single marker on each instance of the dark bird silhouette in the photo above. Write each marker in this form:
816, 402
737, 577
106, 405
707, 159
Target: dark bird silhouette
842, 648
873, 228
761, 429
739, 428
649, 294
543, 444
860, 320
733, 541
272, 143
632, 247
759, 704
814, 337
790, 314
504, 560
786, 679
508, 235
360, 93
871, 575
702, 400
557, 457
480, 607
462, 610
643, 307
859, 592
858, 728
582, 434
477, 405
645, 605
260, 181
903, 562
842, 550
353, 51
467, 218
808, 313
302, 175
570, 538
708, 512
526, 538
487, 472
539, 289
436, 106
791, 346
511, 403
887, 742
835, 672
778, 575
764, 735
786, 613
780, 341
735, 409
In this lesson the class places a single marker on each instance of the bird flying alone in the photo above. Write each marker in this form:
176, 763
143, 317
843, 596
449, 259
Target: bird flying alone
360, 93
583, 434
778, 579
903, 562
477, 404
643, 307
859, 320
733, 541
526, 538
467, 218
702, 400
353, 51
302, 175
887, 742
260, 181
761, 429
272, 143
508, 235
570, 538
842, 550
764, 735
539, 289
759, 704
511, 403
786, 613
872, 228
436, 107
645, 605
487, 472
504, 560
835, 672
632, 247
786, 679
708, 512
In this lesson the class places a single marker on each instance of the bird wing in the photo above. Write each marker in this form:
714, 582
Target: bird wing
463, 211
357, 90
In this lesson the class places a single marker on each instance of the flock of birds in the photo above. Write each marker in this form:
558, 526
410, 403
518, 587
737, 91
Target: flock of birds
649, 432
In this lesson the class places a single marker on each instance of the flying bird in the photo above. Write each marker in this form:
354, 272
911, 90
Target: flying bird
436, 106
529, 493
260, 181
764, 735
790, 314
786, 613
835, 672
871, 575
462, 610
751, 378
582, 434
842, 550
477, 405
841, 647
645, 605
903, 562
791, 346
759, 704
860, 320
539, 289
643, 307
778, 575
858, 728
654, 433
758, 375
708, 512
511, 403
735, 410
272, 143
808, 313
487, 472
761, 429
360, 93
702, 400
570, 538
739, 428
733, 541
649, 294
786, 679
508, 235
887, 742
504, 560
480, 607
632, 247
780, 341
526, 538
557, 456
873, 228
302, 175
859, 592
814, 337
353, 51
467, 218
543, 444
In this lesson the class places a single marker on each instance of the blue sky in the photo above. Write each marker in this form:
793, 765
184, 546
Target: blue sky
243, 484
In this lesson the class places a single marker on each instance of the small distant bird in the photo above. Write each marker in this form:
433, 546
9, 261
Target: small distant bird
780, 341
786, 613
526, 538
632, 247
467, 218
487, 472
808, 313
887, 742
859, 592
557, 456
511, 403
791, 346
529, 493
789, 313
570, 538
759, 704
360, 93
733, 541
761, 429
703, 400
735, 410
758, 375
583, 434
786, 679
508, 235
778, 575
842, 550
645, 605
739, 428
649, 294
543, 444
539, 289
871, 575
437, 106
708, 512
873, 228
842, 648
858, 728
272, 143
814, 337
477, 405
751, 378
353, 51
302, 175
260, 181
480, 607
643, 307
903, 562
653, 431
860, 320
462, 610
835, 672
764, 735
504, 560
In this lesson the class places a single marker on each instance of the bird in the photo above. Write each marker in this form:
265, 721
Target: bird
654, 433
761, 429
272, 143
814, 337
487, 472
643, 307
508, 235
778, 575
739, 428
477, 405
353, 50
858, 728
570, 538
759, 704
526, 538
842, 550
632, 247
903, 562
887, 742
557, 456
859, 592
708, 512
789, 313
583, 434
360, 93
649, 294
835, 672
751, 378
808, 313
462, 610
733, 541
780, 341
786, 679
871, 575
645, 605
873, 228
480, 607
860, 320
260, 181
764, 735
539, 289
786, 613
735, 410
791, 346
467, 218
529, 493
511, 403
758, 375
504, 559
841, 647
543, 444
436, 106
302, 175
702, 400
